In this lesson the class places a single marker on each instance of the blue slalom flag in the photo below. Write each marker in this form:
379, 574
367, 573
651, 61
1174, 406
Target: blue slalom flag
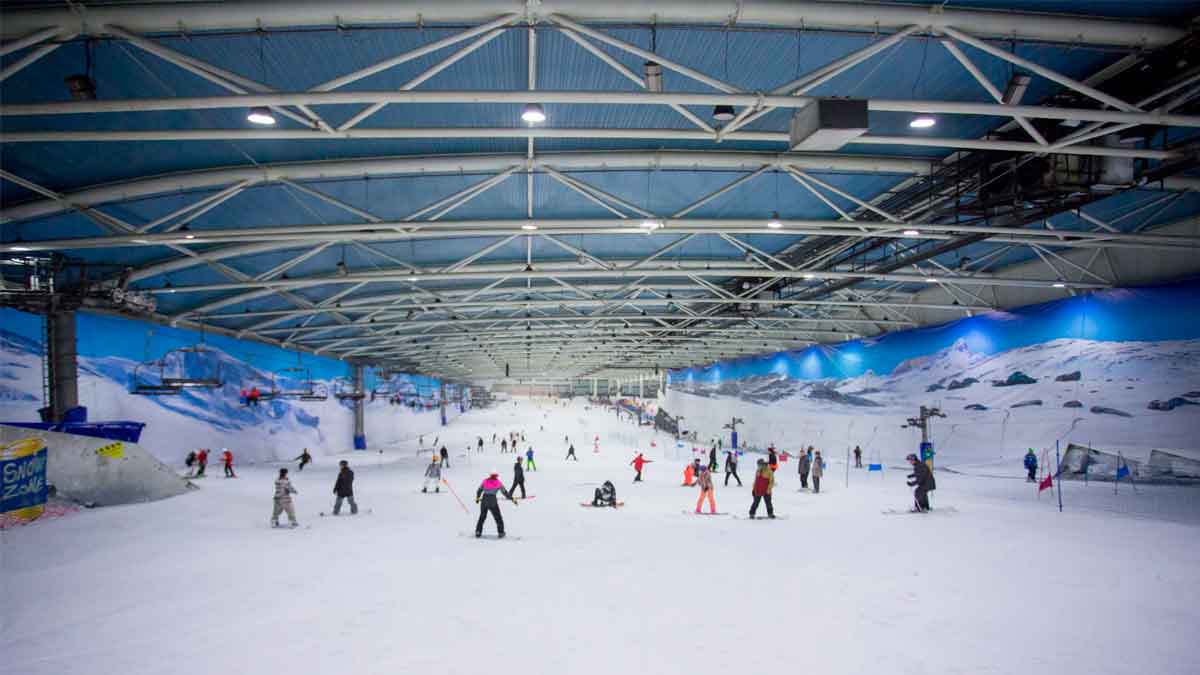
1122, 471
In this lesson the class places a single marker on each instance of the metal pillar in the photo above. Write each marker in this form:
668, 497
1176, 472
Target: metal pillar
360, 432
595, 387
641, 386
62, 365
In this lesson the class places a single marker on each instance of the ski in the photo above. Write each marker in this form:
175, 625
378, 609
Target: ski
908, 512
777, 517
339, 515
593, 506
704, 513
289, 527
492, 537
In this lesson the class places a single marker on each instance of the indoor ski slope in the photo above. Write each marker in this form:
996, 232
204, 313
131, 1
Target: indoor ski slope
1006, 584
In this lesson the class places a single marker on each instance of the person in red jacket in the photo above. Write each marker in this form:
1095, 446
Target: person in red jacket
639, 462
227, 459
202, 461
764, 483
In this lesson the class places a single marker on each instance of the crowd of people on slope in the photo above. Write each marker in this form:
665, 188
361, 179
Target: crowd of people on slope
197, 462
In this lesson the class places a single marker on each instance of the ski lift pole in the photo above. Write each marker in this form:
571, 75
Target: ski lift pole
456, 497
1058, 472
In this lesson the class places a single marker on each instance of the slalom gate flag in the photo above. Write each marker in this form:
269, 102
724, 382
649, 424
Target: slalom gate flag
1047, 482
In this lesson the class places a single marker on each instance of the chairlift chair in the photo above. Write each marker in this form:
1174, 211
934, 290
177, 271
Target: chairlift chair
141, 385
344, 390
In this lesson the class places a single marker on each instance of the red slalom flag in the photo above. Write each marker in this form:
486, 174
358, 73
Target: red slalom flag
1046, 483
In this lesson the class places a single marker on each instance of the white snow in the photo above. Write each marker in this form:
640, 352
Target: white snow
199, 584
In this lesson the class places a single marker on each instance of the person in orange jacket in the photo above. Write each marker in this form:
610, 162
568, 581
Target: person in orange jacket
689, 475
639, 462
706, 490
227, 460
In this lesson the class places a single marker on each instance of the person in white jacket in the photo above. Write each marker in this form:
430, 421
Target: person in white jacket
283, 499
433, 473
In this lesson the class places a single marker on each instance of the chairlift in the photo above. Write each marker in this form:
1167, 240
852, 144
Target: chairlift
167, 376
310, 390
345, 390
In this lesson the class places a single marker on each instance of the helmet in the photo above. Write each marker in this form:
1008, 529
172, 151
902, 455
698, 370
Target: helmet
911, 457
493, 475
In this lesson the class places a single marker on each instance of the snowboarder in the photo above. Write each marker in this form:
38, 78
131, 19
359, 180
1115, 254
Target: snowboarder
606, 495
772, 458
857, 457
706, 490
530, 464
201, 461
764, 483
731, 468
518, 479
638, 463
283, 499
571, 453
304, 458
433, 473
818, 468
805, 465
922, 479
1031, 466
712, 458
485, 496
343, 487
445, 455
227, 460
190, 462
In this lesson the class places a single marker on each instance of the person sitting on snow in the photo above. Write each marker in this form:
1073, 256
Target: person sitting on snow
606, 495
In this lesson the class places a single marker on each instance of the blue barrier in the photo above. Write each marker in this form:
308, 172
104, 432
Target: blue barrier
874, 467
360, 442
128, 432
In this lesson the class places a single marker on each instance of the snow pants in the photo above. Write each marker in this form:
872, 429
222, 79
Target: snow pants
816, 484
1032, 471
733, 473
201, 471
921, 499
282, 505
600, 500
803, 479
571, 455
638, 477
337, 505
229, 471
766, 499
489, 506
517, 484
712, 502
431, 480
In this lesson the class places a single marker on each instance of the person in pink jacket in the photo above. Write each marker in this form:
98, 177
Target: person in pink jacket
706, 489
485, 496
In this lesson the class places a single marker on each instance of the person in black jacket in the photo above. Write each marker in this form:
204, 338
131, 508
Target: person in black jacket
731, 467
606, 495
518, 478
712, 458
485, 496
343, 487
922, 479
445, 457
571, 453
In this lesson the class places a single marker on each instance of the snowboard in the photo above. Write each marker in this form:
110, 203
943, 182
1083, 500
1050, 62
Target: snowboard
944, 510
288, 527
590, 506
777, 517
493, 537
704, 513
361, 512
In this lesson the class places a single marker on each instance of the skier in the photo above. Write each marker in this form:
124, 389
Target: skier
731, 468
638, 463
518, 479
818, 468
530, 464
764, 482
445, 455
1031, 466
485, 496
503, 445
227, 459
190, 462
571, 453
201, 461
857, 457
922, 479
304, 458
712, 459
805, 464
283, 499
433, 472
343, 487
772, 458
606, 495
480, 444
253, 396
706, 490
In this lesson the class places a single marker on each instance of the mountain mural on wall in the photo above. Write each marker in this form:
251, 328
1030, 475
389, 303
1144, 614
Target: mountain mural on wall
1120, 367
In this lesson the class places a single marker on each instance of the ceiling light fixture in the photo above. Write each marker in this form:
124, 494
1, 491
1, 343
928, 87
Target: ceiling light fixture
410, 279
922, 122
651, 224
912, 233
529, 226
723, 113
809, 276
774, 223
653, 76
533, 113
931, 280
261, 115
1059, 284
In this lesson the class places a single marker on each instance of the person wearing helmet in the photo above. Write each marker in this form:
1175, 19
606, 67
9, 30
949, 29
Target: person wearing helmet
706, 490
922, 479
638, 463
764, 483
485, 496
227, 460
433, 474
606, 495
283, 499
1031, 466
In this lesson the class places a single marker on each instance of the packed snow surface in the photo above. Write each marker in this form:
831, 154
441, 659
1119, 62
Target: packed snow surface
1003, 583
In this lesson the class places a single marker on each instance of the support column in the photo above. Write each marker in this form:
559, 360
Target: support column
595, 387
442, 399
641, 386
360, 427
62, 366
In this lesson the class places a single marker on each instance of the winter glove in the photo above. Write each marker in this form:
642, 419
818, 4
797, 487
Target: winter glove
477, 500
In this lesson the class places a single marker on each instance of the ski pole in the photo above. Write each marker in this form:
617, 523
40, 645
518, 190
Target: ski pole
460, 502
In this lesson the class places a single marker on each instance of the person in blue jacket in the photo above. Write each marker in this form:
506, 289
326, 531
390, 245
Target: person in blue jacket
1031, 466
530, 465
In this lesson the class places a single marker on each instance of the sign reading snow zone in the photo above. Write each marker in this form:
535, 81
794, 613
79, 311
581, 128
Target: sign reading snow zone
23, 489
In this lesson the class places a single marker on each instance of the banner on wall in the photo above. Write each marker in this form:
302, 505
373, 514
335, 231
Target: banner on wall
23, 487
